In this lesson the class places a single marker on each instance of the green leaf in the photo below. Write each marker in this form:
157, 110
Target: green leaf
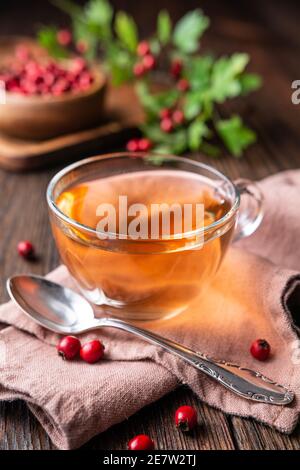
98, 18
47, 38
249, 82
153, 103
156, 159
210, 149
155, 46
235, 135
126, 30
191, 106
198, 71
175, 142
120, 63
99, 12
154, 133
189, 30
164, 27
196, 131
225, 80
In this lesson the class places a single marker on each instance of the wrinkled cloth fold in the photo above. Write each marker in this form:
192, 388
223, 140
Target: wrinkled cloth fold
256, 294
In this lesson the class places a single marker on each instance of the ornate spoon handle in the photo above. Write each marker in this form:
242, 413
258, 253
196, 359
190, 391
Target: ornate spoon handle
244, 382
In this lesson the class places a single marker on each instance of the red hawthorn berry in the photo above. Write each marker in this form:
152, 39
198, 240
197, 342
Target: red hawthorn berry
178, 117
260, 349
78, 65
144, 144
92, 351
132, 145
183, 84
64, 37
138, 69
176, 68
22, 53
165, 113
143, 48
82, 46
68, 347
186, 418
26, 249
141, 442
149, 62
166, 125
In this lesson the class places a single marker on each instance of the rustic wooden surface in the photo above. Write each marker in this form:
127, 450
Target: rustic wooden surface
122, 113
270, 32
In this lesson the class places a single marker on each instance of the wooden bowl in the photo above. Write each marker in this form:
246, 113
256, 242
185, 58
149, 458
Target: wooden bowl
44, 117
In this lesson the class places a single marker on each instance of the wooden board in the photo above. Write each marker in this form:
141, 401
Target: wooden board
122, 114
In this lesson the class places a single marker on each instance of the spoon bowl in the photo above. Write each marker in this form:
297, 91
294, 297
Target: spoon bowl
51, 305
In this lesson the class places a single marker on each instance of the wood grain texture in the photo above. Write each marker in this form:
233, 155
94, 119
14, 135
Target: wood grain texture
120, 115
270, 33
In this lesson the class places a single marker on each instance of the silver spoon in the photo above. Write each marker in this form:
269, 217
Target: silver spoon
64, 311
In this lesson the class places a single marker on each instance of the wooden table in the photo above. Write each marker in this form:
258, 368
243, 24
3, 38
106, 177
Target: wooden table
269, 31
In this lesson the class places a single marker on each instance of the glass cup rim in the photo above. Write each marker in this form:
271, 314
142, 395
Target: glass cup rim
193, 233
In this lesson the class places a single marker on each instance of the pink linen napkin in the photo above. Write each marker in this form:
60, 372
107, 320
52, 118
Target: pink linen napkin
256, 294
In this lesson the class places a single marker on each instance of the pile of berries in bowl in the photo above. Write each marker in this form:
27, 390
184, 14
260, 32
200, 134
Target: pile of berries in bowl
45, 98
32, 77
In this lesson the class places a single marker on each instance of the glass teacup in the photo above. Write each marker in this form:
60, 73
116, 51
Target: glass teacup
144, 235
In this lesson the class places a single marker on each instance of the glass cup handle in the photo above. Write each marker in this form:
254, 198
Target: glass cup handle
251, 208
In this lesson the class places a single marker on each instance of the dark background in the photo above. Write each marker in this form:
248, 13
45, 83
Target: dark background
269, 31
267, 14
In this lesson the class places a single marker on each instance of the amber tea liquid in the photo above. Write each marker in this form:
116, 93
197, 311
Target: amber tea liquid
141, 279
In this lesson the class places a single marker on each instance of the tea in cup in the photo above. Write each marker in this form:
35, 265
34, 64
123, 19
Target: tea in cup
144, 239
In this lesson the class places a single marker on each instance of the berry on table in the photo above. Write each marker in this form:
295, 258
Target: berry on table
143, 48
186, 418
260, 349
64, 37
166, 125
26, 249
68, 347
132, 145
92, 351
183, 84
82, 46
144, 144
141, 442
